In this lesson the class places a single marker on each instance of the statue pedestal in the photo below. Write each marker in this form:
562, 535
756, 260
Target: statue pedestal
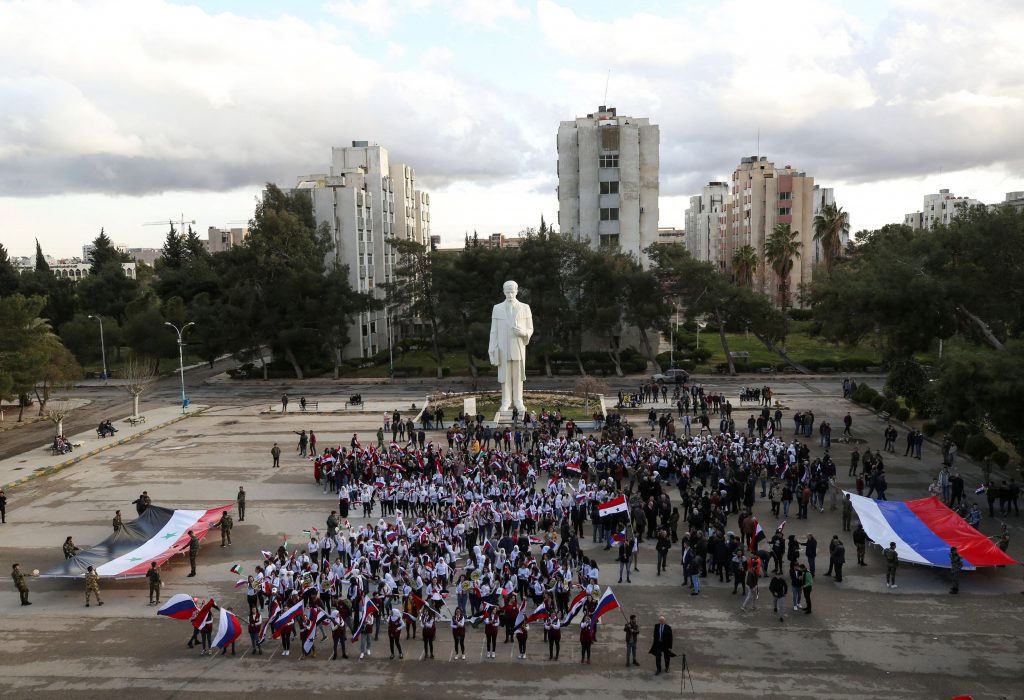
504, 418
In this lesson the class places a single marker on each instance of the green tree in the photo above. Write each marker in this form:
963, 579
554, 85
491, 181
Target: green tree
340, 306
744, 265
31, 356
41, 264
194, 246
781, 248
830, 226
413, 296
8, 274
105, 255
172, 255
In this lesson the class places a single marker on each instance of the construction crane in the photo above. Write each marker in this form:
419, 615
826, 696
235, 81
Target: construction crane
181, 222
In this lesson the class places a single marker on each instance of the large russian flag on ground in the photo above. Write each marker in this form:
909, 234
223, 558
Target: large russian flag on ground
607, 603
179, 606
924, 530
155, 536
615, 505
228, 630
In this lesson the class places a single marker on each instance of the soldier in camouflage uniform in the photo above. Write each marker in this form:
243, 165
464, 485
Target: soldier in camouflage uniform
193, 551
226, 523
154, 584
241, 504
20, 584
70, 548
116, 521
92, 586
955, 564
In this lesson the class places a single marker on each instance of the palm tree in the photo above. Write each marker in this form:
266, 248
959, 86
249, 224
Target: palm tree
744, 265
830, 225
780, 249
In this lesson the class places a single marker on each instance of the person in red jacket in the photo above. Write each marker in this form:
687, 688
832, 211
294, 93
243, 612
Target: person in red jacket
491, 623
586, 639
509, 614
522, 634
255, 625
459, 633
339, 631
429, 631
395, 627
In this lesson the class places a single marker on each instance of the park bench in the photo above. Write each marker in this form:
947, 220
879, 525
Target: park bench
766, 370
309, 406
354, 400
135, 420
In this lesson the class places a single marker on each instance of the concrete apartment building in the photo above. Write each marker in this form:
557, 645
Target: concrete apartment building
220, 239
938, 210
608, 180
364, 200
703, 225
760, 197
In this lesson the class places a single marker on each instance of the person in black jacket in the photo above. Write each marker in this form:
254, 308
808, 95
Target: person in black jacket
661, 646
779, 588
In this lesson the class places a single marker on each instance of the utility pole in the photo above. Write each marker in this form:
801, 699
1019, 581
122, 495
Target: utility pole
103, 346
181, 358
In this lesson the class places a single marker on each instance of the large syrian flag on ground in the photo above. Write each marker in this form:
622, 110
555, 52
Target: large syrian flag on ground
924, 530
155, 536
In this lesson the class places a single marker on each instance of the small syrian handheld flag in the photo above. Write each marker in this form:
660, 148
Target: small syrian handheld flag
204, 612
179, 606
536, 540
228, 630
236, 569
575, 606
782, 525
573, 467
769, 429
266, 554
615, 505
607, 603
758, 534
309, 633
981, 489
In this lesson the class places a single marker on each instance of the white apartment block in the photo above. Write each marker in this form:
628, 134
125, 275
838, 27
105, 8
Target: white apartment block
608, 181
703, 225
939, 210
365, 200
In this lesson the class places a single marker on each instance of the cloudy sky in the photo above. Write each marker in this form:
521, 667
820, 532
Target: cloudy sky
119, 113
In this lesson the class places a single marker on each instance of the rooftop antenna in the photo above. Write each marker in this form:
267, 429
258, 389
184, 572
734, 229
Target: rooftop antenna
758, 143
606, 81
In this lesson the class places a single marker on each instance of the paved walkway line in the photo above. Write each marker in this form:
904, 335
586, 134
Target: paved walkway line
47, 471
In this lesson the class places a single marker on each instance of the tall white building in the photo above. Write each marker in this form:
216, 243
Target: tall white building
608, 180
703, 225
938, 210
365, 200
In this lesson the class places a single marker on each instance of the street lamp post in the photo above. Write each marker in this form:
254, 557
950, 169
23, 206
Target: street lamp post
103, 345
181, 356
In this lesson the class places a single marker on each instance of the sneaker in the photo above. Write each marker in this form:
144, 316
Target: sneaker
796, 607
895, 586
361, 655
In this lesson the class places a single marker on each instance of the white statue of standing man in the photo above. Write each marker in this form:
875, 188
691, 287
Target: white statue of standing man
511, 329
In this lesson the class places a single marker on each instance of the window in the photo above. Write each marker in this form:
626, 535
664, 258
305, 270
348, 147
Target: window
609, 240
784, 211
785, 195
610, 187
610, 214
609, 161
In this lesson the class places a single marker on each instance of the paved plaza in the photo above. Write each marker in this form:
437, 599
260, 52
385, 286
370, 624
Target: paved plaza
862, 641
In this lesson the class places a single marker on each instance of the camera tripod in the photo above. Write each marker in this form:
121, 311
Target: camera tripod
684, 675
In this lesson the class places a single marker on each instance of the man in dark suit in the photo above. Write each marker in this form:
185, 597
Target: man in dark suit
662, 645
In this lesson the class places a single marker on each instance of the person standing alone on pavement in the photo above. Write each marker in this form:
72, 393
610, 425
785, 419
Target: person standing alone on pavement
241, 504
661, 647
632, 633
275, 452
20, 584
3, 507
154, 583
779, 588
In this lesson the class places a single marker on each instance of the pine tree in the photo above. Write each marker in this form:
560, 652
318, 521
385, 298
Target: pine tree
41, 264
104, 253
194, 246
173, 251
543, 226
8, 275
